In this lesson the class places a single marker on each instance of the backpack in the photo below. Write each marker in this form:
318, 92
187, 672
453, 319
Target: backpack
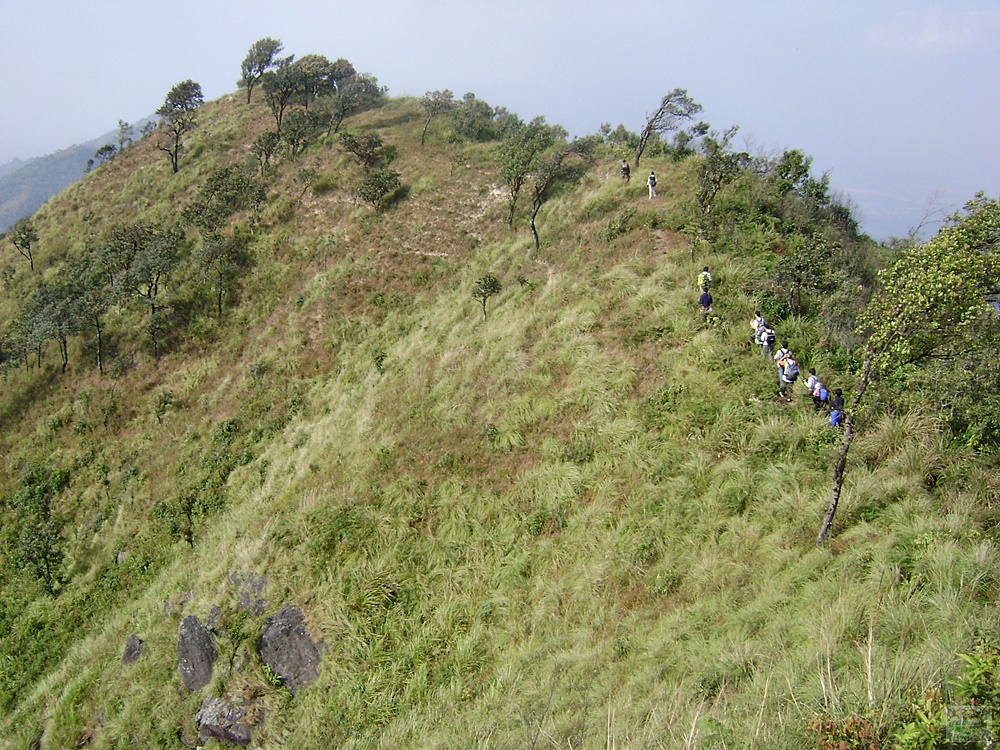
703, 279
823, 394
769, 338
791, 370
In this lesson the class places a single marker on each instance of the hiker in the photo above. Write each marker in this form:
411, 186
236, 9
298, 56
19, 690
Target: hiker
626, 172
811, 381
705, 301
704, 279
767, 339
651, 182
758, 324
819, 395
836, 407
789, 374
782, 354
816, 389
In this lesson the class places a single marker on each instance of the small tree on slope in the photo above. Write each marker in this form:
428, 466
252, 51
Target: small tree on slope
929, 304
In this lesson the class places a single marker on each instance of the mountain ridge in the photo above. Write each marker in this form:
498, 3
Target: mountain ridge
578, 515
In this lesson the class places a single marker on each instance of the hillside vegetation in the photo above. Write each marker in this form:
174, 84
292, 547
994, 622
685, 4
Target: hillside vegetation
569, 512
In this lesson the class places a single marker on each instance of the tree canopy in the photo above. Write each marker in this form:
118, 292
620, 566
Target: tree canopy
519, 153
352, 93
262, 57
436, 103
929, 303
280, 86
23, 236
177, 118
674, 108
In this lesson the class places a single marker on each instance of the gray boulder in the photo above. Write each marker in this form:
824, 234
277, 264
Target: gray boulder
133, 648
196, 653
221, 719
286, 647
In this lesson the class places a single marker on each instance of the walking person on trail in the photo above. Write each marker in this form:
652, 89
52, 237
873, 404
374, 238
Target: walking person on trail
789, 374
767, 339
651, 182
820, 395
705, 301
836, 407
704, 279
816, 389
812, 380
781, 355
758, 324
626, 172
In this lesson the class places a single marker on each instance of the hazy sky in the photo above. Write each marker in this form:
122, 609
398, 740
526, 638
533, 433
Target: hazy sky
899, 101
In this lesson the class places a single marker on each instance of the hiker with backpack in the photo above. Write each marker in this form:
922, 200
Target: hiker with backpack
651, 182
820, 395
811, 381
781, 355
626, 172
704, 279
758, 324
789, 374
816, 389
836, 407
767, 339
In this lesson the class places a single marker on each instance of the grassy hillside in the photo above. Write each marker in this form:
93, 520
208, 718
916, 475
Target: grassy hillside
583, 522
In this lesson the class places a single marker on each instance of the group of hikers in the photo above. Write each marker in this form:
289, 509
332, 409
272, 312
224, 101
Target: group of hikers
765, 337
788, 372
650, 181
788, 368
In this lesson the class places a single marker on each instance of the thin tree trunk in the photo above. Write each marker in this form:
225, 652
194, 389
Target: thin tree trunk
535, 208
100, 348
840, 469
838, 478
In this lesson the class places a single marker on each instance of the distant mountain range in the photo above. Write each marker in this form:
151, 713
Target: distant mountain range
26, 185
12, 166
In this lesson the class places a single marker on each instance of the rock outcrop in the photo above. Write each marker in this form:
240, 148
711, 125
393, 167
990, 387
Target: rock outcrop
196, 653
221, 719
134, 646
286, 647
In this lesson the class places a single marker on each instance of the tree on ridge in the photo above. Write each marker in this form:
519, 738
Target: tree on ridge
674, 108
261, 58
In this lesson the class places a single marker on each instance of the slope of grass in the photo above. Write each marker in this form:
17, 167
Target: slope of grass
583, 522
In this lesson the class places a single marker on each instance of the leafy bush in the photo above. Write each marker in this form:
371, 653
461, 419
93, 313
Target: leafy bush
379, 186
